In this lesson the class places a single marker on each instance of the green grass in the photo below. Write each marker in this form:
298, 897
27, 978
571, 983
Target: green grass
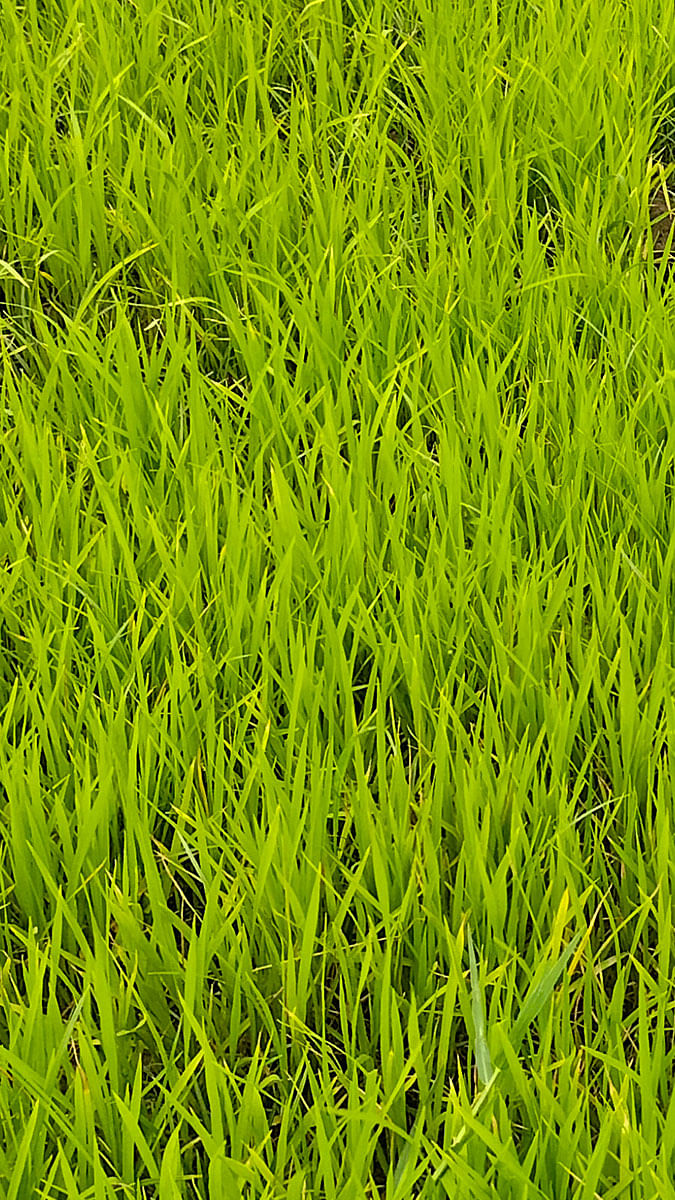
337, 580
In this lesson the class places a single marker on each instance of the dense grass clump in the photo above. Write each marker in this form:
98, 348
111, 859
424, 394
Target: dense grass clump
337, 717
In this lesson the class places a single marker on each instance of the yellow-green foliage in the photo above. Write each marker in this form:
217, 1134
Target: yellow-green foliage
337, 733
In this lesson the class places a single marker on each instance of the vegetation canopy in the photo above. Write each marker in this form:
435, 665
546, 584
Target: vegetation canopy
337, 719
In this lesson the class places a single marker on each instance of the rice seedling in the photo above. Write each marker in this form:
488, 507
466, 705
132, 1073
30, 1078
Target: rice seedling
336, 674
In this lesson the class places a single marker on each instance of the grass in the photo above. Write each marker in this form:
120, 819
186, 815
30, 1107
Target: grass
337, 730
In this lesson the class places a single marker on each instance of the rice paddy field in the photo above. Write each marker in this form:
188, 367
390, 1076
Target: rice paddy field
337, 592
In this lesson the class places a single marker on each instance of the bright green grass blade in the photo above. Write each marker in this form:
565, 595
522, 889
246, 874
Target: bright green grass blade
483, 1060
540, 993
